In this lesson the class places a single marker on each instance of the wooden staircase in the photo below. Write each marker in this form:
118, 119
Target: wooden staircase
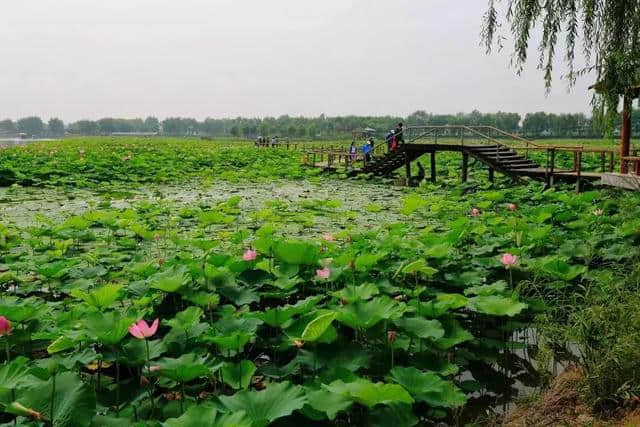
501, 158
495, 156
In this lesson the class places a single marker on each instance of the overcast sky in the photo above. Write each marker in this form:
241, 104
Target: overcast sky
80, 59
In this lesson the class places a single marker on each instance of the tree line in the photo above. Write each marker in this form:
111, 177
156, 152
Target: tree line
533, 125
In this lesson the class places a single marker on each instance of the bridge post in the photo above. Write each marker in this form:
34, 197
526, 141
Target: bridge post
579, 172
465, 166
407, 167
491, 174
552, 166
433, 166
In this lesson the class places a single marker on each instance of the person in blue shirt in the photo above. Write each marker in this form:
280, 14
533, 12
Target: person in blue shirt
366, 149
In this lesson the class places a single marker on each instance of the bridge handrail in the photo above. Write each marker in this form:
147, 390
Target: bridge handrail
529, 144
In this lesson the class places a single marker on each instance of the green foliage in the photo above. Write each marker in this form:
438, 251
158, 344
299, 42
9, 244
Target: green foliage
263, 407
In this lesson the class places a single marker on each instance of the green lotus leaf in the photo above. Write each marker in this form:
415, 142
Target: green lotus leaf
238, 375
363, 314
208, 416
278, 316
263, 407
170, 280
559, 268
487, 290
318, 326
368, 393
366, 262
419, 266
134, 352
15, 374
186, 319
454, 334
328, 403
420, 327
215, 217
107, 328
185, 368
428, 387
60, 344
296, 252
74, 402
101, 297
356, 293
394, 414
496, 305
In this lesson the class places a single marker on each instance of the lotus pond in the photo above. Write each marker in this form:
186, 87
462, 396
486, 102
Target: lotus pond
190, 283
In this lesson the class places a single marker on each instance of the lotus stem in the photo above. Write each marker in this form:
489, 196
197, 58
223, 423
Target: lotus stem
153, 405
183, 397
117, 385
6, 343
53, 394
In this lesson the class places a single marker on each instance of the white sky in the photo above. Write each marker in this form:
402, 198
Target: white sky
223, 58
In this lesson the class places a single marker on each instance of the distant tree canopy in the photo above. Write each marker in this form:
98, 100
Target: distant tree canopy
56, 127
608, 30
533, 125
32, 126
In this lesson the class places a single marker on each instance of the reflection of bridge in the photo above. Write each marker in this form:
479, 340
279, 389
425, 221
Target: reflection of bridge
498, 150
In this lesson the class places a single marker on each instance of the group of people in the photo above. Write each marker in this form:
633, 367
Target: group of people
263, 141
367, 150
394, 138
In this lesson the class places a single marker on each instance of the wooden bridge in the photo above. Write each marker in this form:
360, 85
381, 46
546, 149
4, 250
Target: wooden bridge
496, 149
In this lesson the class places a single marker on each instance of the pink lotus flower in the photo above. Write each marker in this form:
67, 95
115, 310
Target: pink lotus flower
392, 336
5, 326
475, 212
508, 260
323, 273
328, 237
141, 330
250, 255
597, 212
512, 207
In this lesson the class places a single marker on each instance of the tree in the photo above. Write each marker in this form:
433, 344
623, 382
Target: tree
32, 126
151, 124
609, 31
56, 127
87, 127
8, 127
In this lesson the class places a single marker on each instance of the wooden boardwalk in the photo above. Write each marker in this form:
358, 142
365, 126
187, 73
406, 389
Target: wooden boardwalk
497, 150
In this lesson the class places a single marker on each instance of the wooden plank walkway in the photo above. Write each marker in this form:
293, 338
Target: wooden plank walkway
512, 160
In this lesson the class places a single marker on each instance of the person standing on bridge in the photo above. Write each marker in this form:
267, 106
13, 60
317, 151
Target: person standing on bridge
389, 139
399, 134
366, 150
352, 151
